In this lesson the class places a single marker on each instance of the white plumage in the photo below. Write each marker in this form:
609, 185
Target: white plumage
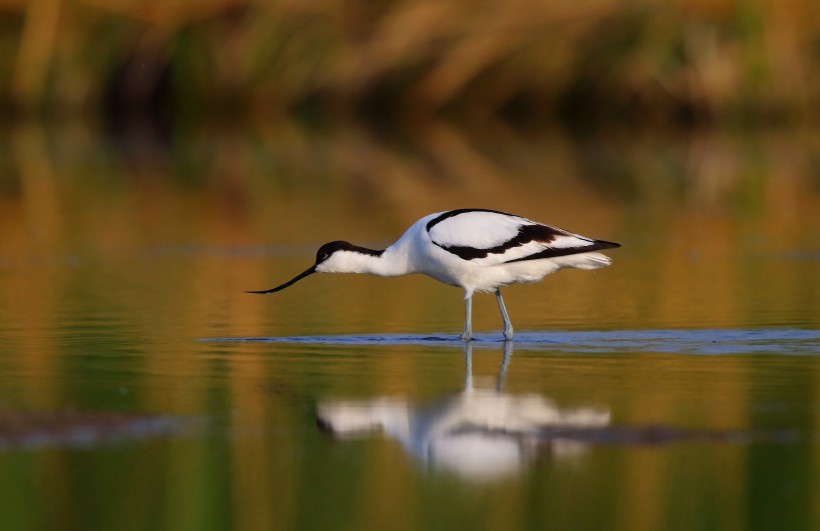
477, 250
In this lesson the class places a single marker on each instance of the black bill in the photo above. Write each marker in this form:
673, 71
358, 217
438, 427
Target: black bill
299, 277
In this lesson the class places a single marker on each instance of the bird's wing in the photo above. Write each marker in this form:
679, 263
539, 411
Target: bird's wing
478, 229
490, 238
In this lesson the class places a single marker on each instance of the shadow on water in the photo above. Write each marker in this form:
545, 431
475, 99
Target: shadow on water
695, 341
486, 433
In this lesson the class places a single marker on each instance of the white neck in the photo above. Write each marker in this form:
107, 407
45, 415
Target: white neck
387, 264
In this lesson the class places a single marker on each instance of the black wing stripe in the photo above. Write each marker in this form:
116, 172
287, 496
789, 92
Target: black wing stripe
526, 234
553, 252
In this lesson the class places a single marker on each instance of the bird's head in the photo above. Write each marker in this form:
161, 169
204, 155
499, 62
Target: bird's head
333, 257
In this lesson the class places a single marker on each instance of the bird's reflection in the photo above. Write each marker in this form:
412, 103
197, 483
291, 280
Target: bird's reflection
478, 433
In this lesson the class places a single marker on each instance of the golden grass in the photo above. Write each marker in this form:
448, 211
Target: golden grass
651, 59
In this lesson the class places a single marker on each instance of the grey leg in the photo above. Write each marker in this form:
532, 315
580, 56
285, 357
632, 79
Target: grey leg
467, 334
508, 329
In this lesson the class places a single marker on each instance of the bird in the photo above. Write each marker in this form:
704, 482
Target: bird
478, 250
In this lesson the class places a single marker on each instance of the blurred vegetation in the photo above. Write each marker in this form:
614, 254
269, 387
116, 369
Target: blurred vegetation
679, 61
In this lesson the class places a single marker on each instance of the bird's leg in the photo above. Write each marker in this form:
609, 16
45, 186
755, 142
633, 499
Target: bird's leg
508, 329
467, 334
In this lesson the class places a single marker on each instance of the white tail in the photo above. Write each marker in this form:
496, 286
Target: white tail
584, 261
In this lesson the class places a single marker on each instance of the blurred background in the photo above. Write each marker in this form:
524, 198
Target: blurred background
688, 62
159, 158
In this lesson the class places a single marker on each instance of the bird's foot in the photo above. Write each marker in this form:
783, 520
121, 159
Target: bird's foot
466, 336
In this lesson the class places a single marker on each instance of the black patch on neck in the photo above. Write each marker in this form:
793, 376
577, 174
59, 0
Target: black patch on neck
326, 250
435, 221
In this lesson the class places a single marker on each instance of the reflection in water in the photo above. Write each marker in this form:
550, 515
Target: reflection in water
721, 228
478, 433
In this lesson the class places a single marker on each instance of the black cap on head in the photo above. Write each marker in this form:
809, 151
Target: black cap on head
327, 250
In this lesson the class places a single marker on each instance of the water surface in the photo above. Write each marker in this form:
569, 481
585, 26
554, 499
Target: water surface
140, 387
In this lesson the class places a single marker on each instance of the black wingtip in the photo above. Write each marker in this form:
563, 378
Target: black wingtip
602, 244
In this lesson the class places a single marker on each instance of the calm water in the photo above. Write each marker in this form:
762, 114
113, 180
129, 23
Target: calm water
140, 388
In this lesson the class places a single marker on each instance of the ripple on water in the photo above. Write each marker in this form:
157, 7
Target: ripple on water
700, 341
